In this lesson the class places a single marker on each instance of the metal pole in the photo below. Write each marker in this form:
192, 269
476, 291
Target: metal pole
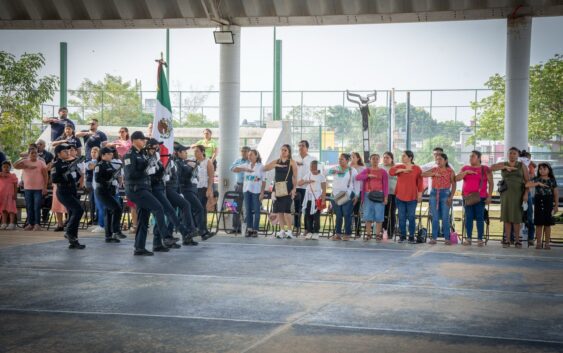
63, 74
277, 80
389, 131
475, 122
408, 122
261, 110
392, 128
168, 54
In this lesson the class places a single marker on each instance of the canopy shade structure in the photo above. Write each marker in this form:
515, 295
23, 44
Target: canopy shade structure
115, 14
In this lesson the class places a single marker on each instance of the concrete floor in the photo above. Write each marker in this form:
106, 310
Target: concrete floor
265, 295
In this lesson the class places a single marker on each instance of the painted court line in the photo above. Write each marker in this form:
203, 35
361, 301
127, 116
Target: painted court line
312, 281
349, 327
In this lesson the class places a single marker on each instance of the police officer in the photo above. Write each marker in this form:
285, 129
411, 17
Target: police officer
106, 185
138, 169
158, 180
187, 173
176, 198
65, 173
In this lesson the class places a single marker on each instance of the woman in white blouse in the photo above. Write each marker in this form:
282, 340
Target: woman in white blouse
253, 191
345, 194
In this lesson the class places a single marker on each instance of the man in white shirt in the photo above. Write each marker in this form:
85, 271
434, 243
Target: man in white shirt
303, 161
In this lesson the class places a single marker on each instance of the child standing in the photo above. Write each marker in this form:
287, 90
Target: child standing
8, 195
315, 184
545, 203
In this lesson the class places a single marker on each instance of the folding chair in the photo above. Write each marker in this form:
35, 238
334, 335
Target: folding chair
231, 197
265, 211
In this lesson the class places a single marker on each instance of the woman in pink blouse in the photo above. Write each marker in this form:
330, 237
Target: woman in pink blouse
35, 180
122, 144
375, 189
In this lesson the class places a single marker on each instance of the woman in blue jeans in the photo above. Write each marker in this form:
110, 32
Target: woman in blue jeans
253, 191
441, 196
476, 178
344, 188
408, 192
35, 180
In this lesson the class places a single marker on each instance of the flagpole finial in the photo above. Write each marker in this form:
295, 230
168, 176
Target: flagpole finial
161, 60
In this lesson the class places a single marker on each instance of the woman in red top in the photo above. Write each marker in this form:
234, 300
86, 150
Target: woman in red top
476, 178
441, 196
408, 193
375, 180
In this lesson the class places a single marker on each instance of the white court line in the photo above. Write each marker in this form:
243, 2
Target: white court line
239, 278
439, 333
549, 258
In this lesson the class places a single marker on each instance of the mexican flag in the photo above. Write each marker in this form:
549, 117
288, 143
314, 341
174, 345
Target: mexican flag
162, 129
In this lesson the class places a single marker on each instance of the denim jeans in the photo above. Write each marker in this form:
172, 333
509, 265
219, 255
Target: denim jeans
252, 208
33, 200
475, 212
440, 210
343, 213
100, 210
407, 210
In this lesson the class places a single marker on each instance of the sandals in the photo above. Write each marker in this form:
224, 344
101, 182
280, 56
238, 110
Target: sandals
447, 242
379, 238
367, 237
335, 237
539, 245
432, 242
518, 245
467, 242
480, 243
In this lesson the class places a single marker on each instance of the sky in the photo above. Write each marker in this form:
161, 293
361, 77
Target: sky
434, 55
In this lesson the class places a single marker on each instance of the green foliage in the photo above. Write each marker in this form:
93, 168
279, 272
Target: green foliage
424, 155
112, 101
197, 120
22, 91
545, 107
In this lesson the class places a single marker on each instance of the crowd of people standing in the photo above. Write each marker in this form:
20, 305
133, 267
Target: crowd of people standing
180, 192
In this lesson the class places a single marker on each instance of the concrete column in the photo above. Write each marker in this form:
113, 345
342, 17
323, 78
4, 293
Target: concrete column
518, 42
229, 111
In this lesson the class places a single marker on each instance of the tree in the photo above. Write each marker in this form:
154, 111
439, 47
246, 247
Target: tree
545, 112
112, 101
22, 92
425, 154
197, 120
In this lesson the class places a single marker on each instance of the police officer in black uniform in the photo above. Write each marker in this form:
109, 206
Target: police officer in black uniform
106, 185
187, 173
138, 169
176, 198
65, 174
158, 181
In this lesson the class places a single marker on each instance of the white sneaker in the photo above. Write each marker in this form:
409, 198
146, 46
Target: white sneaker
11, 227
289, 235
280, 234
315, 236
3, 226
309, 236
98, 229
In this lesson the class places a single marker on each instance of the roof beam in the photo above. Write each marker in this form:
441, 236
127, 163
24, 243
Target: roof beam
5, 10
62, 9
123, 9
155, 11
92, 10
32, 9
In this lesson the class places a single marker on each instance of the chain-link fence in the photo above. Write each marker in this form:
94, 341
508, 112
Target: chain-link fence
330, 123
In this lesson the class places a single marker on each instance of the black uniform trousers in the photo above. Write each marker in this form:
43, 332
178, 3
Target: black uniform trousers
177, 201
69, 198
190, 195
202, 196
146, 204
113, 211
160, 193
